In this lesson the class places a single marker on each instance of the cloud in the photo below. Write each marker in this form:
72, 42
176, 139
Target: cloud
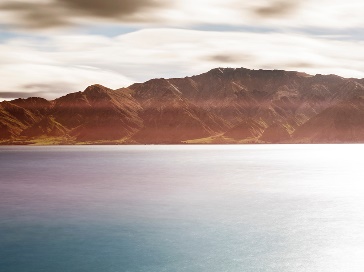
309, 14
303, 64
51, 81
47, 68
277, 14
192, 52
277, 8
69, 63
13, 95
230, 58
57, 13
33, 14
109, 8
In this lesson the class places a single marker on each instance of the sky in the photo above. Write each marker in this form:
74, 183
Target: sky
49, 48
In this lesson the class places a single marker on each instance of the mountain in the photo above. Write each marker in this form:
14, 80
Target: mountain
223, 105
98, 113
247, 129
47, 127
19, 114
343, 122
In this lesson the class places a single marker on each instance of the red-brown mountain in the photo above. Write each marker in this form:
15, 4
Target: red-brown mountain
342, 122
223, 105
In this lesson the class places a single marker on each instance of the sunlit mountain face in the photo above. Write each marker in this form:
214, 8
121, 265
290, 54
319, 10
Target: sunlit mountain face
223, 105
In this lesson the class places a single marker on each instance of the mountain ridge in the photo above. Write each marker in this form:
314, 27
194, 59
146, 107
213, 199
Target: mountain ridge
223, 105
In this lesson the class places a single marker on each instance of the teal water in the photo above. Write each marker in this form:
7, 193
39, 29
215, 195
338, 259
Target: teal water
182, 208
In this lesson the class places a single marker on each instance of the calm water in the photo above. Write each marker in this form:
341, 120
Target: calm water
182, 208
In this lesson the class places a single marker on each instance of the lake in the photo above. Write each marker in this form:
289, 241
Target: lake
182, 208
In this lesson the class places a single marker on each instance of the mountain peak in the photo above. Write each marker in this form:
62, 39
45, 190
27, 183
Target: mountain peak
238, 72
96, 88
227, 70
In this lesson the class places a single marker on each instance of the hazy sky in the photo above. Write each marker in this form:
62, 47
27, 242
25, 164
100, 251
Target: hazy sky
52, 47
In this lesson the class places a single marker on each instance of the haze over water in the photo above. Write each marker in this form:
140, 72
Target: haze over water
182, 208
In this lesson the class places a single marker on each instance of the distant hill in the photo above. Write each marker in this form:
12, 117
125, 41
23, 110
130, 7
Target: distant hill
224, 105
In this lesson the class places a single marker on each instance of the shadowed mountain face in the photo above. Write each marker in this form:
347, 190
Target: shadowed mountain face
220, 106
20, 114
98, 113
343, 122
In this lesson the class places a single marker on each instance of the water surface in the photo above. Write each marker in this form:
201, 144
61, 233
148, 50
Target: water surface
182, 208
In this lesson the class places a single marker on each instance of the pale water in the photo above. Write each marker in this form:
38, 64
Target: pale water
182, 208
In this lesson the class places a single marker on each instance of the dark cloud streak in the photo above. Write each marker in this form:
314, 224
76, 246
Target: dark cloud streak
45, 90
7, 95
106, 8
277, 8
302, 65
64, 12
229, 58
35, 15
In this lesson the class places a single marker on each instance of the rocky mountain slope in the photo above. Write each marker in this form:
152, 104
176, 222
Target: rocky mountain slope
224, 105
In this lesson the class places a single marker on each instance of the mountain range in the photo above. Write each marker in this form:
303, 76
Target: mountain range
223, 105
